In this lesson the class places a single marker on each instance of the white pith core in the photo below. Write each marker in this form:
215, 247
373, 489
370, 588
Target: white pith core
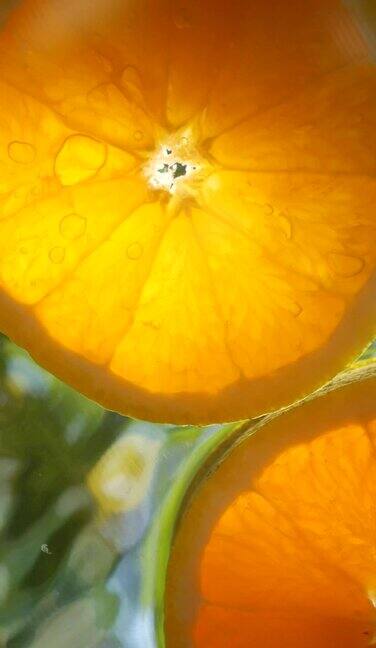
173, 166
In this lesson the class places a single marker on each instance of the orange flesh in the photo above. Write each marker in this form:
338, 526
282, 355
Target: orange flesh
277, 549
222, 292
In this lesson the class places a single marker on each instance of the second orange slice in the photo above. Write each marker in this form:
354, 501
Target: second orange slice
276, 548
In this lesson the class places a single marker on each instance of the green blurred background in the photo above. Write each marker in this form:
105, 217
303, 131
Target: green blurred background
79, 487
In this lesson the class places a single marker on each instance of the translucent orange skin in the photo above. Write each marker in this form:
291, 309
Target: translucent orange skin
251, 285
277, 549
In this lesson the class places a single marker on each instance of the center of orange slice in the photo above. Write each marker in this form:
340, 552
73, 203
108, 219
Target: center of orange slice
176, 169
176, 166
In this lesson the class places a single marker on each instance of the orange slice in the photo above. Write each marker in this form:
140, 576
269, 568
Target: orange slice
277, 548
187, 199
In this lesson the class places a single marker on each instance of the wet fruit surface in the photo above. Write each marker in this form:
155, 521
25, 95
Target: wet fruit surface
187, 199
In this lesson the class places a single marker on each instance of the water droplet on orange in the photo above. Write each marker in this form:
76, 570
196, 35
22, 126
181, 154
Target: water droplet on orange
345, 265
289, 304
182, 18
294, 308
57, 254
72, 226
130, 74
268, 209
152, 324
284, 224
138, 135
21, 152
134, 251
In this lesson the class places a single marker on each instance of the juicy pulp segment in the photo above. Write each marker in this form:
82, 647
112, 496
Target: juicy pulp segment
277, 546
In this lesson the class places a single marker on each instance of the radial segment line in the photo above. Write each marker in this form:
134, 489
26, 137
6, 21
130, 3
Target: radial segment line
215, 297
312, 547
274, 262
67, 124
89, 182
138, 297
289, 99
